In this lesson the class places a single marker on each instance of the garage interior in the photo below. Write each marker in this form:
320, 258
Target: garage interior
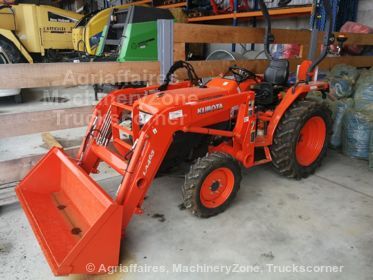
186, 139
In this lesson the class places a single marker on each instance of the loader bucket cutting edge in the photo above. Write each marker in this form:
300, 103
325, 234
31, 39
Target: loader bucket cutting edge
78, 226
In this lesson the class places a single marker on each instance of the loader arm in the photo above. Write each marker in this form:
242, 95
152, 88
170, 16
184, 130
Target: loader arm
156, 137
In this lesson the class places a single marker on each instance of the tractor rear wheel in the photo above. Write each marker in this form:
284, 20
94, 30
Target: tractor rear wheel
301, 139
211, 184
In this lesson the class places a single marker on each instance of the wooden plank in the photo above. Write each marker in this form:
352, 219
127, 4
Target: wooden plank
143, 2
179, 51
172, 6
16, 169
357, 39
200, 33
42, 121
210, 18
214, 68
50, 141
358, 61
294, 11
74, 74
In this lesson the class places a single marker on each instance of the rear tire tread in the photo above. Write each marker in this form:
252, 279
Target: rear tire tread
286, 137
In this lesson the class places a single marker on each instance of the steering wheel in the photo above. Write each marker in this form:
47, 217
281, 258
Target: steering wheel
241, 74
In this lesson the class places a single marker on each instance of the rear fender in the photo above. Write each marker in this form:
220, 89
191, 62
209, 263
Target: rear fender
9, 35
290, 97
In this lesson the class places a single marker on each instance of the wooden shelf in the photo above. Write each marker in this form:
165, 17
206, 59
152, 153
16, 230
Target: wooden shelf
143, 2
295, 11
170, 6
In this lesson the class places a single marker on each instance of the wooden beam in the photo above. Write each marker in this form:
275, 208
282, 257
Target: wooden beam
50, 141
214, 68
172, 6
42, 121
75, 74
16, 169
291, 11
142, 2
201, 33
179, 51
357, 61
357, 39
217, 67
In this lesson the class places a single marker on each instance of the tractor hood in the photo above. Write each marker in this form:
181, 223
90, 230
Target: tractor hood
159, 101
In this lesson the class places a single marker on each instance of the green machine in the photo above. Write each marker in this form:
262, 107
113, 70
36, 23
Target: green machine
131, 34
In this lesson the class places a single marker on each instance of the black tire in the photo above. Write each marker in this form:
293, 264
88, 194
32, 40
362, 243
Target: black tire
197, 175
14, 56
287, 135
18, 98
11, 51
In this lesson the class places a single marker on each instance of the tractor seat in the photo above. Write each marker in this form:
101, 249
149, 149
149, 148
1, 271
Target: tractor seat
275, 79
277, 72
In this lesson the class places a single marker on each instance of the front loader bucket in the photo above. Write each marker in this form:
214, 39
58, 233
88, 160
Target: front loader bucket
76, 223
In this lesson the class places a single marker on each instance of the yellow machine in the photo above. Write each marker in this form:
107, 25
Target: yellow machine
36, 32
87, 32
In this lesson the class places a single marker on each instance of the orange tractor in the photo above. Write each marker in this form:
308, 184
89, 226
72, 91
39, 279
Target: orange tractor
246, 121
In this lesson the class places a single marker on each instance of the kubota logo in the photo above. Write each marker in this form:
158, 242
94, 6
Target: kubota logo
210, 108
150, 159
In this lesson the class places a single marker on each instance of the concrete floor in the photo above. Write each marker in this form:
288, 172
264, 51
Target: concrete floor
324, 220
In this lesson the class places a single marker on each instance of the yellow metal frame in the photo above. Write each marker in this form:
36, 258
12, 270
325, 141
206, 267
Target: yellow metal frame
82, 34
37, 28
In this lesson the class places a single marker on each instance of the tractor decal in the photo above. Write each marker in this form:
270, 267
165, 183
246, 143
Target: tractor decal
210, 108
150, 159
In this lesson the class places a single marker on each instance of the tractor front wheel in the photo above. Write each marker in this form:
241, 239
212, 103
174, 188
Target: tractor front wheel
211, 184
301, 139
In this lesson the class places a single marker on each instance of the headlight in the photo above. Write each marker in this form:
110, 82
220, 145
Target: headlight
144, 118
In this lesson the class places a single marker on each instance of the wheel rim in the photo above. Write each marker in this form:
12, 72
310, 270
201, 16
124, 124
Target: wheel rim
217, 187
311, 141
